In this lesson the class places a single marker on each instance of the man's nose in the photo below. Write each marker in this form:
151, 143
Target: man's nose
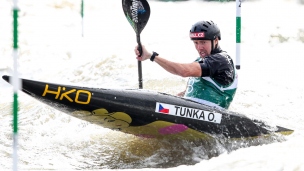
200, 46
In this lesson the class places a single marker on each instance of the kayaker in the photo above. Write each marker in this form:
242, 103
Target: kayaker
212, 76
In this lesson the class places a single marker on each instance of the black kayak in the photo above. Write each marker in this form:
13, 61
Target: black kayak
146, 113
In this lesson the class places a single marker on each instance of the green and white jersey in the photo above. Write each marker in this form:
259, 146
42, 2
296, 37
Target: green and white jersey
218, 84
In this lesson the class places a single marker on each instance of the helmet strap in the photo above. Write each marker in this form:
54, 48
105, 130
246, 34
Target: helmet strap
212, 49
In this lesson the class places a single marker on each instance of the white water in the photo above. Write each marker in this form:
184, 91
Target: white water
52, 49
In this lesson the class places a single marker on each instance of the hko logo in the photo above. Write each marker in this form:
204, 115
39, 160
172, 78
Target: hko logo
65, 95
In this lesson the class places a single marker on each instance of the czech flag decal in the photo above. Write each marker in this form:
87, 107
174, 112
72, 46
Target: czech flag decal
161, 109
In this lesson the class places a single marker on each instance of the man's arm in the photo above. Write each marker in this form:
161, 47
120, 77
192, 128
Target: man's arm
182, 69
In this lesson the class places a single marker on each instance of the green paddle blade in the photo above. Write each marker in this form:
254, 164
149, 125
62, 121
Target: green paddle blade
137, 13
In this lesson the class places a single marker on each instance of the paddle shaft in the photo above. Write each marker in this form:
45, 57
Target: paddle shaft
140, 79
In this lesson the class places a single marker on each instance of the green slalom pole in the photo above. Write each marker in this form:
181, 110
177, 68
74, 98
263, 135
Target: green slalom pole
82, 14
238, 33
16, 84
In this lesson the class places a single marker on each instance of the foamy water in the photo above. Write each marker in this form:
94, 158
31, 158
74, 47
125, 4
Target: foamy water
52, 49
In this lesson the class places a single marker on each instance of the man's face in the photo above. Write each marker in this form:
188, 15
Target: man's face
203, 47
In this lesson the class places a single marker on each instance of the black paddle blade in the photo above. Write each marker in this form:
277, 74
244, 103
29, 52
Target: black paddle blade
6, 78
137, 12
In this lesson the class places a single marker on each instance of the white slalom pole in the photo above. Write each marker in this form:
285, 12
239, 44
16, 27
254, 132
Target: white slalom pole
82, 15
238, 33
16, 84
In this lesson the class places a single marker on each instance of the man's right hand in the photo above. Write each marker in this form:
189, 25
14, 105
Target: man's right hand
145, 54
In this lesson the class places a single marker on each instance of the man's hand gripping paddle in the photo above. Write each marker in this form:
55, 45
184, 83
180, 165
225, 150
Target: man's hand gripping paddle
137, 13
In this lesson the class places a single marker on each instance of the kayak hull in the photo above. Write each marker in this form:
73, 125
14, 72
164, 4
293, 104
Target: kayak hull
146, 113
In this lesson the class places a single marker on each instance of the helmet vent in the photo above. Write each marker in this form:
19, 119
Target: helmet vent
204, 30
205, 25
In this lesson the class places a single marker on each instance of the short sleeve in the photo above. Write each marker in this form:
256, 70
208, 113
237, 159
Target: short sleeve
219, 67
